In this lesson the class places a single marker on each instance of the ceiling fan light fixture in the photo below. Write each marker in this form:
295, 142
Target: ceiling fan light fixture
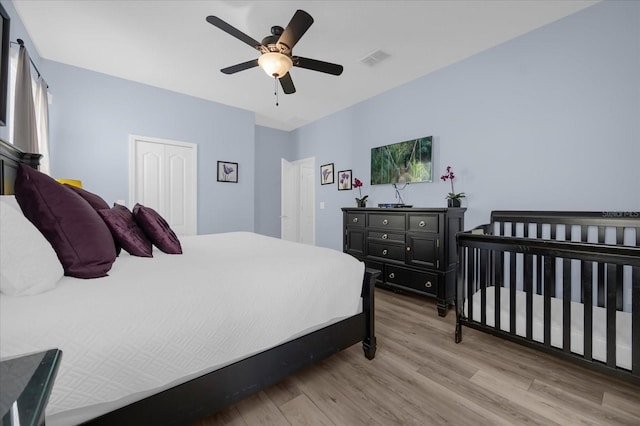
275, 64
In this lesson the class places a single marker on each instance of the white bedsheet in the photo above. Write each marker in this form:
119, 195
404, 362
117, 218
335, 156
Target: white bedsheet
153, 323
599, 323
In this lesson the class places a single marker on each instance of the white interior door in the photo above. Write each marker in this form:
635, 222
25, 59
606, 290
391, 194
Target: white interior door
289, 202
298, 201
164, 177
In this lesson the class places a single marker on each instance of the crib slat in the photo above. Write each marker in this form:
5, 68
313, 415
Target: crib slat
471, 282
528, 288
587, 300
611, 312
549, 283
566, 305
512, 293
496, 289
483, 277
635, 316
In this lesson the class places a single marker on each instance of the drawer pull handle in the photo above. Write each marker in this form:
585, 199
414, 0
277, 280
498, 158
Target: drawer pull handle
355, 220
408, 248
384, 252
428, 284
421, 224
385, 236
384, 222
392, 275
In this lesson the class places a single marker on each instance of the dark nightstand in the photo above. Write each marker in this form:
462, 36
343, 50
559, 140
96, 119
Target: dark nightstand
25, 384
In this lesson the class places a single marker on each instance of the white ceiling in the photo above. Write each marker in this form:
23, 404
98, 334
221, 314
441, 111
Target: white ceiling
169, 44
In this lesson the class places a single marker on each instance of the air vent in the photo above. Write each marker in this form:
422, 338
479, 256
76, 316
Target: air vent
375, 58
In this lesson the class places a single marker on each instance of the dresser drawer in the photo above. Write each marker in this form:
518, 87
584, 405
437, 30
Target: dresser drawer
387, 221
424, 222
356, 219
386, 251
393, 237
423, 282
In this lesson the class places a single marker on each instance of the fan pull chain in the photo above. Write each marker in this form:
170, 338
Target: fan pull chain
275, 80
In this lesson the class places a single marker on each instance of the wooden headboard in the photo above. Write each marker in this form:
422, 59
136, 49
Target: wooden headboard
10, 156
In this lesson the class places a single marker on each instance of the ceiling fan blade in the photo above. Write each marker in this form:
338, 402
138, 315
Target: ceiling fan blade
217, 22
298, 25
240, 67
287, 84
315, 65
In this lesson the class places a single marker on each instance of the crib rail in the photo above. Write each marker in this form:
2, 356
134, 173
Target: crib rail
530, 274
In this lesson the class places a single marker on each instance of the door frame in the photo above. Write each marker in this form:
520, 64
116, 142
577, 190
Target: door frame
133, 139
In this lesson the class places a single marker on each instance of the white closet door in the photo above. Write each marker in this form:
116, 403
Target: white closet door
164, 178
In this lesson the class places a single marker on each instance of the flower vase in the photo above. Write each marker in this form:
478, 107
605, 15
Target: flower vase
453, 202
361, 203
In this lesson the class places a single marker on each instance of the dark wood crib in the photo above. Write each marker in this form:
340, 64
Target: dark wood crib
528, 276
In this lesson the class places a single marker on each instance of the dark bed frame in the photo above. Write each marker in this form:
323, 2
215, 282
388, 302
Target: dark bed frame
484, 251
221, 388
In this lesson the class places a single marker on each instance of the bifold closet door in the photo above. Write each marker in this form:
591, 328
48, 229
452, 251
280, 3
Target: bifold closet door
164, 178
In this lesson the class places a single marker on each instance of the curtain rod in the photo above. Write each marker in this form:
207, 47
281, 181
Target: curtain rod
21, 43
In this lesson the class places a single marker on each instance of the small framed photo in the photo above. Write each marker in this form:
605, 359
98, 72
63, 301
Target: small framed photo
326, 174
344, 180
227, 172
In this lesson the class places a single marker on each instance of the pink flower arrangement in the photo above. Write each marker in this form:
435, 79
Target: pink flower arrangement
449, 175
362, 201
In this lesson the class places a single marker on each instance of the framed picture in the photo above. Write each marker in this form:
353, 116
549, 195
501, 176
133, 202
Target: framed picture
326, 174
227, 172
344, 180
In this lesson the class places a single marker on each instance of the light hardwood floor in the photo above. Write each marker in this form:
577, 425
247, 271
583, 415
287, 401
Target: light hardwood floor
420, 376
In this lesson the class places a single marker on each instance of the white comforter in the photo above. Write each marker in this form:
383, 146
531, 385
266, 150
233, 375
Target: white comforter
153, 323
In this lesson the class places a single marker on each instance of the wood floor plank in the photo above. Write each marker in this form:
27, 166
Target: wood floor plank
600, 413
421, 376
258, 409
629, 404
331, 398
301, 411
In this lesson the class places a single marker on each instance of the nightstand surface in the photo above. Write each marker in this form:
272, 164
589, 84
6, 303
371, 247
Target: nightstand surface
25, 384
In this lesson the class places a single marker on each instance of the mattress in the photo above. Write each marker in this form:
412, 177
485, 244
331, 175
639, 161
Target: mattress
599, 323
157, 322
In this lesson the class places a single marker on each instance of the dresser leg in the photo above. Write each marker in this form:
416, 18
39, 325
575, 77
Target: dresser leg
443, 307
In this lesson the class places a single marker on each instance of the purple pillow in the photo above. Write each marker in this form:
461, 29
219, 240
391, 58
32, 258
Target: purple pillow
157, 229
126, 231
97, 202
79, 236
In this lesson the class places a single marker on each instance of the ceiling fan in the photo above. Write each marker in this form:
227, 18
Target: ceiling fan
276, 57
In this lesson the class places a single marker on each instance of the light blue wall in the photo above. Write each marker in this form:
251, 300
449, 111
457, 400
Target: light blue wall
271, 147
93, 114
547, 121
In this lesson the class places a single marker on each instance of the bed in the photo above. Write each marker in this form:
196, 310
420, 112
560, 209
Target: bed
187, 335
567, 283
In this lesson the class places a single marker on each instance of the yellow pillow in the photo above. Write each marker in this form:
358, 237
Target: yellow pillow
72, 182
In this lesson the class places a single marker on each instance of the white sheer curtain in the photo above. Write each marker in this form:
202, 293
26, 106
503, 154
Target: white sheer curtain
25, 133
41, 104
33, 103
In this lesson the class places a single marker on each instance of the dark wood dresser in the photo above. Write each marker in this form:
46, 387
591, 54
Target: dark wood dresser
415, 248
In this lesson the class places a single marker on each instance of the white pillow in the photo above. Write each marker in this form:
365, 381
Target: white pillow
28, 263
